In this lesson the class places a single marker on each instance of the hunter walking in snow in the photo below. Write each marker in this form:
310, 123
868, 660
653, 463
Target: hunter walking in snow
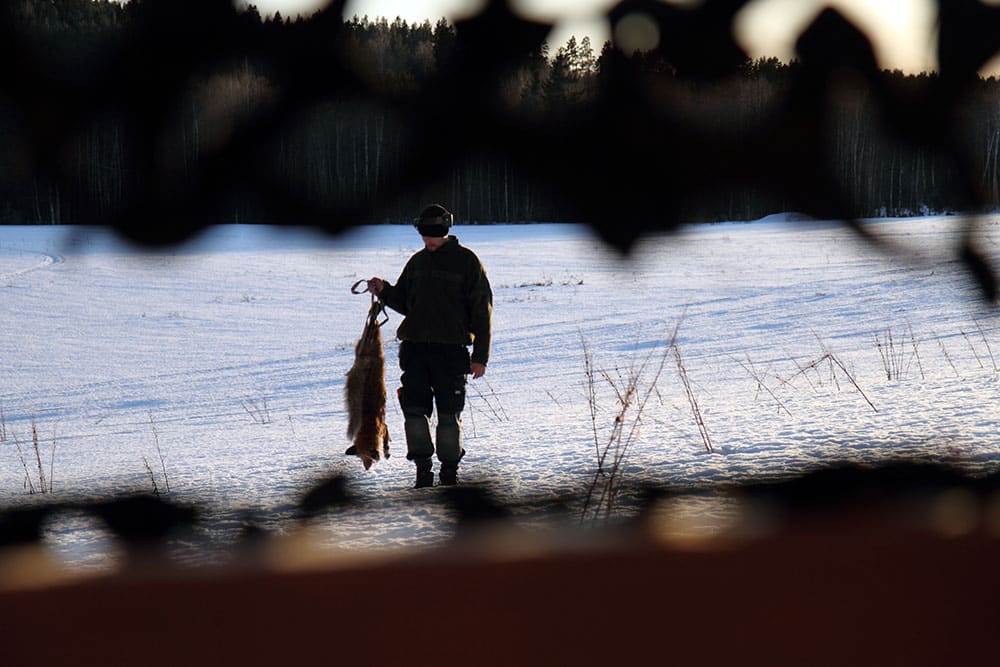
446, 302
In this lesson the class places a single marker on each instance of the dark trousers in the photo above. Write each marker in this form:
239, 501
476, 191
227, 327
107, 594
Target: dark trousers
434, 374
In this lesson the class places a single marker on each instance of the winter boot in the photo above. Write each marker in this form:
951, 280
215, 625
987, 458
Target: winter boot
425, 476
449, 474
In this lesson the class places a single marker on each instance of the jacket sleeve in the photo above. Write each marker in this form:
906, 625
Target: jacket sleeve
480, 315
394, 296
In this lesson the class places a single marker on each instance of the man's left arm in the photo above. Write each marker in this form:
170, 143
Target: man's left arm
480, 320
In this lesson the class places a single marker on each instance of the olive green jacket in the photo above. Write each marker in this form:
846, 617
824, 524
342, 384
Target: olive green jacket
445, 297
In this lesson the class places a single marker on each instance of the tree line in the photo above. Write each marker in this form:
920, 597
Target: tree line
347, 148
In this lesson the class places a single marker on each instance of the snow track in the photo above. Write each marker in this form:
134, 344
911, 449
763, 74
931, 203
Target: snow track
10, 260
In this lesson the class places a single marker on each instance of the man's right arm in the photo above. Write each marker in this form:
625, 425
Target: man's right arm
393, 296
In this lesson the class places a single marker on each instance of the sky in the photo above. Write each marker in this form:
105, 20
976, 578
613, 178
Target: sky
902, 29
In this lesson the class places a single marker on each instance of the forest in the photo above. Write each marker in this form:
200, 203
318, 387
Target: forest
346, 148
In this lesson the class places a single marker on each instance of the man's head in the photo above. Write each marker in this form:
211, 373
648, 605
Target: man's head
434, 221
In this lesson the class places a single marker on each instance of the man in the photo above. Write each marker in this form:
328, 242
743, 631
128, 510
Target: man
447, 304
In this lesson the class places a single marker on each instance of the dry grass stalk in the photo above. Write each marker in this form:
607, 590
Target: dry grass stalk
682, 371
28, 484
803, 372
258, 411
591, 386
52, 457
916, 353
986, 341
492, 402
152, 477
631, 395
752, 371
973, 348
833, 361
159, 453
38, 456
893, 356
947, 356
44, 484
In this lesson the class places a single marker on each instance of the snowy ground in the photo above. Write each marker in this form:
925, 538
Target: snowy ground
227, 357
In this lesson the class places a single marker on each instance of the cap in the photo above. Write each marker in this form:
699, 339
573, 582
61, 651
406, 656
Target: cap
435, 221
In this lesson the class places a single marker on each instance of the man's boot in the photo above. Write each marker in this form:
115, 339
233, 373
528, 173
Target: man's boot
449, 474
425, 475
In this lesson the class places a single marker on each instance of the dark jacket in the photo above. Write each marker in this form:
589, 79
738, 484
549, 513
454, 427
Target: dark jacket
444, 297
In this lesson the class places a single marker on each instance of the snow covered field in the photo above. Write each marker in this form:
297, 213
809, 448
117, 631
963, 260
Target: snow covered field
218, 367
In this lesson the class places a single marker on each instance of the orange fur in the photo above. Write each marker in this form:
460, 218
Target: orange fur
364, 393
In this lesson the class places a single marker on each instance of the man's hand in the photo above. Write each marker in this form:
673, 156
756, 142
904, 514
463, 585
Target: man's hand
477, 370
375, 285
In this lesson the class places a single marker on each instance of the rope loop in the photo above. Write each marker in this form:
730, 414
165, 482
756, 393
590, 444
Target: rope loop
376, 311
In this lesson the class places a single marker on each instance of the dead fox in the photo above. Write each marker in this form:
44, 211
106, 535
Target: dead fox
364, 393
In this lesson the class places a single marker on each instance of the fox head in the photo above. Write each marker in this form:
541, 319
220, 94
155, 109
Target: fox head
367, 458
371, 442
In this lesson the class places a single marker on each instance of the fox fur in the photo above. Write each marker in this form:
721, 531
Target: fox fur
364, 393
